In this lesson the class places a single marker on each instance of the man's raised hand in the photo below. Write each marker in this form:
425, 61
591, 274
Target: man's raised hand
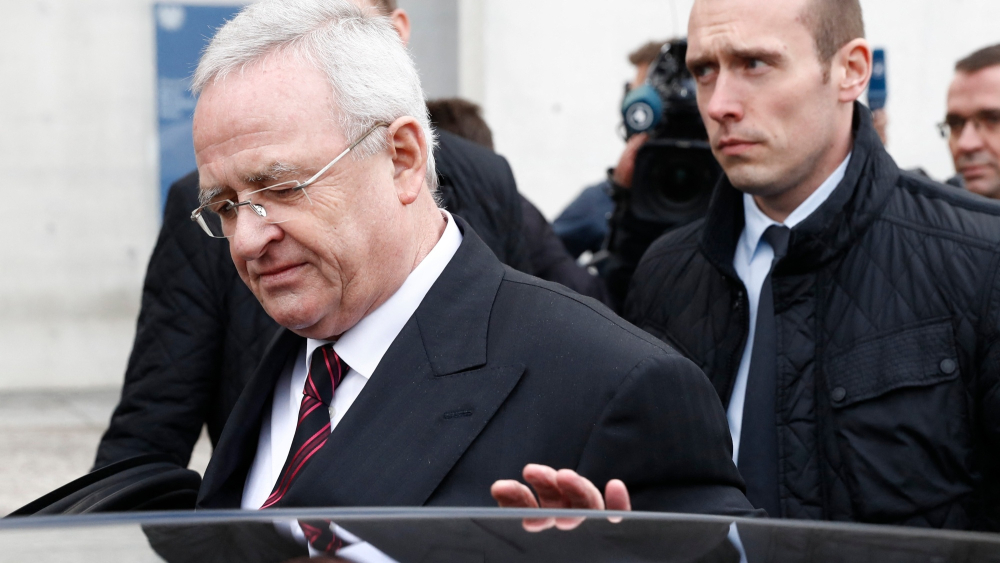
558, 489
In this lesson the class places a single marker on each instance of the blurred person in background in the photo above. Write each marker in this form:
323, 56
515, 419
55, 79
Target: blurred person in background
972, 125
546, 253
847, 313
583, 225
201, 333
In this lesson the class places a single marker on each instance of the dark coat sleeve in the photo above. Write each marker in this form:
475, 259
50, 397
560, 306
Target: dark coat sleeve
478, 185
174, 368
665, 435
550, 260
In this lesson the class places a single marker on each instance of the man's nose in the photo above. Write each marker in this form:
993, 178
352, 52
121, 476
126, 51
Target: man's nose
252, 234
969, 139
725, 102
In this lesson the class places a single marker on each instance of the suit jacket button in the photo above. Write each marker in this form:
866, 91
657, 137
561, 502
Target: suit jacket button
948, 366
838, 394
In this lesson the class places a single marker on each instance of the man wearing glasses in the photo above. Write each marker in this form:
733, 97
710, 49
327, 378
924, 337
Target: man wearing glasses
201, 332
972, 125
414, 368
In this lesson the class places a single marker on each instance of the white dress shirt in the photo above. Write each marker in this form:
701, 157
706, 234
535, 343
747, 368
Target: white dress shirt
362, 348
752, 262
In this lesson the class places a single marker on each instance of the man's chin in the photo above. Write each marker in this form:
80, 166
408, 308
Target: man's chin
290, 312
750, 178
305, 322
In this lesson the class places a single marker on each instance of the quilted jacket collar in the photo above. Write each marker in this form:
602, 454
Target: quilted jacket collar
830, 230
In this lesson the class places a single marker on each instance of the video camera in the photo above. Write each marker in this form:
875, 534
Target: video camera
675, 171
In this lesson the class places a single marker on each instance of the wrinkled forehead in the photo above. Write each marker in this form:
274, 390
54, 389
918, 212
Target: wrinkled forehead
279, 96
718, 27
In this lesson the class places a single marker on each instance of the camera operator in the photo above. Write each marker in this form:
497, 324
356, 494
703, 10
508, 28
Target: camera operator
668, 177
583, 225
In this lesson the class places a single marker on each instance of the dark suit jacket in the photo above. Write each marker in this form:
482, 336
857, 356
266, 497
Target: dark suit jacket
497, 369
201, 332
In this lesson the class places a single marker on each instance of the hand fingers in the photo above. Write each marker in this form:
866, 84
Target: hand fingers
579, 491
559, 489
617, 498
637, 141
511, 494
543, 480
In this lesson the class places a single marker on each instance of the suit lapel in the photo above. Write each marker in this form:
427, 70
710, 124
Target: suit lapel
431, 395
226, 475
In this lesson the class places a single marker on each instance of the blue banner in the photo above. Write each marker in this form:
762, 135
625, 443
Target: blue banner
182, 32
878, 91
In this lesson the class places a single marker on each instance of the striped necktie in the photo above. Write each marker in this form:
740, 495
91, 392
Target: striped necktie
326, 371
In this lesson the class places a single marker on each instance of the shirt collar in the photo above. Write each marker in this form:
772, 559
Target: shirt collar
364, 344
756, 222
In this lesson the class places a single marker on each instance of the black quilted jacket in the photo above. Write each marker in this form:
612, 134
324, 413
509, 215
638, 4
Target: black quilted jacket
201, 332
887, 310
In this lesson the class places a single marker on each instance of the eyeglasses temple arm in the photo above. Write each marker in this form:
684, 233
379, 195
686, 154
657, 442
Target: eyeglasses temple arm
354, 145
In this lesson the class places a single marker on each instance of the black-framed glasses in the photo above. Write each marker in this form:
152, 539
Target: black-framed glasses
274, 204
987, 120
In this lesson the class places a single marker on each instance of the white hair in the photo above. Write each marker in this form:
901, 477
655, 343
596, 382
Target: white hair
372, 75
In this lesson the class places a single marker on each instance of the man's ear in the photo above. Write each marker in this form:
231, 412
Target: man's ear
401, 21
852, 69
409, 158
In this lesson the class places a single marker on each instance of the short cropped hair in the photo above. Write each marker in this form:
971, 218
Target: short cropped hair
833, 23
983, 58
646, 54
386, 6
371, 74
461, 117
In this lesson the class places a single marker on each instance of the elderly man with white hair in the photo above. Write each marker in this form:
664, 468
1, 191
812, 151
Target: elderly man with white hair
414, 368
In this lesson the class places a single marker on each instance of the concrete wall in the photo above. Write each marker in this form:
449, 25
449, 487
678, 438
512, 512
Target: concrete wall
78, 154
434, 43
78, 139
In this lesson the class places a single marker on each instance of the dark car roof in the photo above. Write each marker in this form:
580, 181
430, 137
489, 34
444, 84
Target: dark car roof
478, 535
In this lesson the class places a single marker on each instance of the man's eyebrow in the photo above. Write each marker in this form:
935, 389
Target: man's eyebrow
769, 56
206, 195
271, 173
699, 62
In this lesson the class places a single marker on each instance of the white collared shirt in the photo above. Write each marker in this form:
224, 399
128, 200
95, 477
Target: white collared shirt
752, 262
362, 348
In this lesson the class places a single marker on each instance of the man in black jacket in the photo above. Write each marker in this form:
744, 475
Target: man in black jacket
847, 313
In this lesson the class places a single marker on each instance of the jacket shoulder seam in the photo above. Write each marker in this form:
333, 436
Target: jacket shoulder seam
618, 322
940, 233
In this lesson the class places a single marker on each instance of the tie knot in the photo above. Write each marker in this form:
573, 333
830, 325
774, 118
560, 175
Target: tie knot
777, 236
326, 371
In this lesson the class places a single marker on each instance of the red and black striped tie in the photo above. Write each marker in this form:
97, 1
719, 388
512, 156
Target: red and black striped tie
326, 371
